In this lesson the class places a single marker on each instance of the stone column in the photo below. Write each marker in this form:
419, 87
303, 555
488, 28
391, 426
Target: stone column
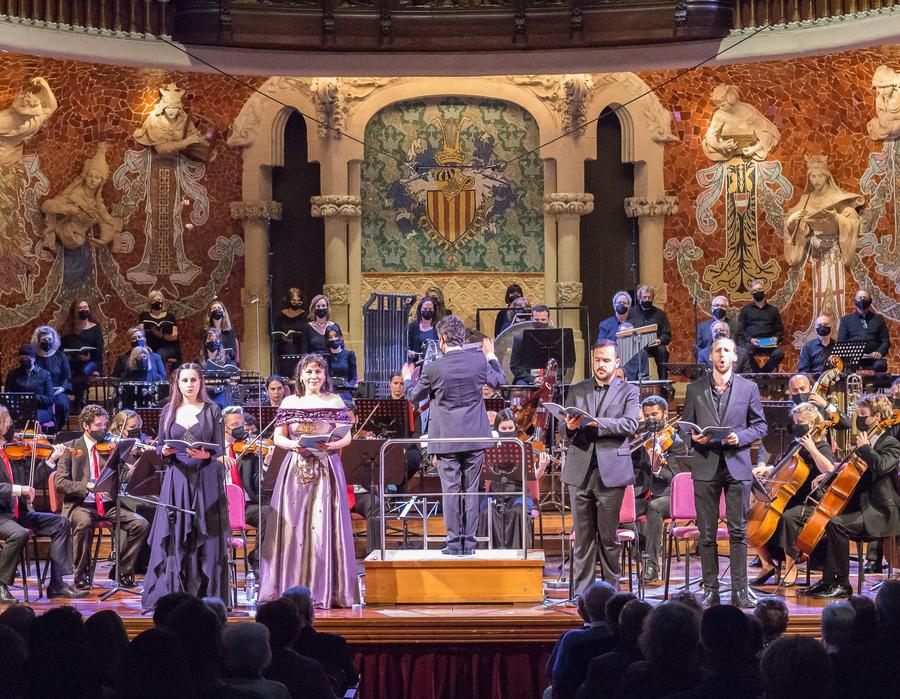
337, 210
568, 208
651, 213
255, 341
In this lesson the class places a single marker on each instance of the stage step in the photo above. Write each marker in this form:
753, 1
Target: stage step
429, 577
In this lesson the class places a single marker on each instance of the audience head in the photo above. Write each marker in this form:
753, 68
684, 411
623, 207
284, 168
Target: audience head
756, 642
61, 669
301, 597
106, 640
18, 617
689, 600
282, 618
153, 666
865, 623
837, 625
614, 608
246, 650
197, 628
887, 605
670, 636
167, 604
218, 607
632, 618
60, 625
12, 662
724, 632
796, 667
773, 614
592, 602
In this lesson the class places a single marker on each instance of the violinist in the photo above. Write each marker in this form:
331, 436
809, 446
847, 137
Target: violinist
17, 517
817, 454
242, 469
874, 508
654, 469
413, 454
75, 479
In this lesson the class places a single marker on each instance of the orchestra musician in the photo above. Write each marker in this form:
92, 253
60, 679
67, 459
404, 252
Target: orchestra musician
275, 390
759, 322
540, 317
75, 479
800, 391
724, 399
597, 467
638, 367
17, 517
703, 337
865, 325
874, 508
654, 469
453, 384
819, 457
815, 353
645, 313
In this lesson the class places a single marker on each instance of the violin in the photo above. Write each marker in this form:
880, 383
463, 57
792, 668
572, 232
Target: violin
664, 436
26, 445
247, 446
111, 441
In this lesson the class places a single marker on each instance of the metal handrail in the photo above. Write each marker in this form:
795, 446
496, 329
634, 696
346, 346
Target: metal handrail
487, 441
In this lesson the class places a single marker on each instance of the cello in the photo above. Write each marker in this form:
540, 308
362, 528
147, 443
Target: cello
835, 492
790, 472
532, 412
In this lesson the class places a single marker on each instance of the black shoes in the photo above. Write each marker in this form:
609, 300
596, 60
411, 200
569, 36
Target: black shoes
834, 592
651, 572
743, 599
65, 591
814, 589
764, 577
873, 567
127, 581
6, 596
83, 582
711, 598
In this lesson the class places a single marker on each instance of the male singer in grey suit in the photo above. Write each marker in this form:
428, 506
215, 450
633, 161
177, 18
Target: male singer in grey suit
598, 467
453, 384
725, 399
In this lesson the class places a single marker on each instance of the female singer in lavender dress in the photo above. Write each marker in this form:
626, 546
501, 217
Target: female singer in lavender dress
309, 540
188, 552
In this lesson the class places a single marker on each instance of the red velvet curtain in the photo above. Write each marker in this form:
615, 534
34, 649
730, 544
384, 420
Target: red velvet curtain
437, 671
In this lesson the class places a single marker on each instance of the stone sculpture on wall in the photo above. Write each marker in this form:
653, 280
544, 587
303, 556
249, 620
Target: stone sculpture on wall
21, 120
886, 124
170, 129
823, 226
737, 129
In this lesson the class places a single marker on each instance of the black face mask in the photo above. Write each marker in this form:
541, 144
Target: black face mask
799, 398
621, 309
427, 315
717, 336
719, 313
646, 305
217, 315
135, 433
98, 435
759, 296
335, 344
143, 362
798, 430
142, 342
862, 423
296, 305
823, 330
156, 305
239, 434
540, 326
46, 345
321, 312
10, 434
84, 314
862, 304
213, 346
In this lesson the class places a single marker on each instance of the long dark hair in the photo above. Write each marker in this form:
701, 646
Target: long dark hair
167, 417
73, 315
305, 361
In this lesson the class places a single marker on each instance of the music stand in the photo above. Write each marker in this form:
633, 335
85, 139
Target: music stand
495, 404
386, 414
507, 453
540, 346
850, 351
21, 406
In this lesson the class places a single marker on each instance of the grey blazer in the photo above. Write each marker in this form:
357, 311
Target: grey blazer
743, 412
453, 384
616, 422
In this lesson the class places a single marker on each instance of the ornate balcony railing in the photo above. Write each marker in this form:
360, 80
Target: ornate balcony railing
750, 14
123, 18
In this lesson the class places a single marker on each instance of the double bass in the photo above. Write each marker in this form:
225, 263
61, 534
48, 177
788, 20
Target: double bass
835, 492
790, 472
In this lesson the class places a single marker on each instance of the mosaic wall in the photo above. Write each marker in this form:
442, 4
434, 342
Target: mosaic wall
453, 204
193, 251
820, 106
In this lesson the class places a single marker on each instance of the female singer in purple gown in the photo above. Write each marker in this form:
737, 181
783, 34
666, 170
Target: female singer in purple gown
188, 550
309, 539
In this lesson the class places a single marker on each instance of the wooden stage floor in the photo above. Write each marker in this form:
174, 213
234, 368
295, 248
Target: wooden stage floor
448, 623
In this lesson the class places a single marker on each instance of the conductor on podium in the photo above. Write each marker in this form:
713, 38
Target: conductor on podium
452, 383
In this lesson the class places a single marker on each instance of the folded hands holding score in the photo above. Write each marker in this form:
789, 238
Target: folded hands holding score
193, 453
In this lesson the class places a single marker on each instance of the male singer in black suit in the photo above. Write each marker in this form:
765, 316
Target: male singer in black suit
75, 479
453, 384
598, 468
16, 518
725, 399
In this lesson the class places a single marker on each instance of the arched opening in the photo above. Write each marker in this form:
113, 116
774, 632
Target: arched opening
606, 247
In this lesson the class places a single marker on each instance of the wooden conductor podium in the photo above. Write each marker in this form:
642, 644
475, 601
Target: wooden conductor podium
417, 576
